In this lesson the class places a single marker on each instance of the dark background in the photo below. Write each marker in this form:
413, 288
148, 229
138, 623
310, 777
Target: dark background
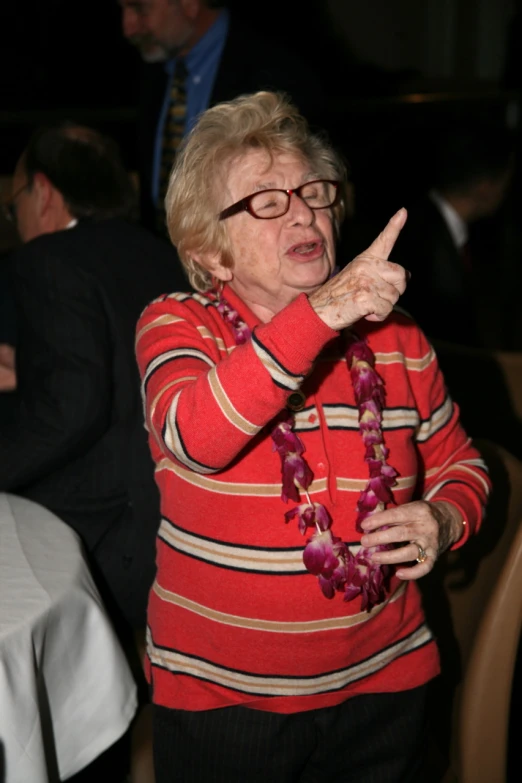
395, 72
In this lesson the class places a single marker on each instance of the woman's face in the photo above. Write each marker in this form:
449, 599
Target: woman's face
275, 260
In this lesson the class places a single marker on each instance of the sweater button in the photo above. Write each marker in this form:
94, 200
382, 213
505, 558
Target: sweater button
296, 401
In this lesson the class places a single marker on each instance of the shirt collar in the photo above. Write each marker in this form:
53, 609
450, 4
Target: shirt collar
456, 226
197, 56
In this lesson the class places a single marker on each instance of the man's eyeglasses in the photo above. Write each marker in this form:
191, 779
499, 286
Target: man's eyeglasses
268, 204
9, 207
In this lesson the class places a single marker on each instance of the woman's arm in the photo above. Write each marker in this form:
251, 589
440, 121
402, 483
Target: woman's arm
205, 400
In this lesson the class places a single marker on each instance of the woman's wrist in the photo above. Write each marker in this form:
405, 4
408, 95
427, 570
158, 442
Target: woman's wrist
451, 523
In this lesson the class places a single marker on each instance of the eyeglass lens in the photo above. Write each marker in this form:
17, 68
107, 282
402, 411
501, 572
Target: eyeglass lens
273, 203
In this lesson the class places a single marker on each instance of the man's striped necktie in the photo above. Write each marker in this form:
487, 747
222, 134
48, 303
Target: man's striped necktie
173, 131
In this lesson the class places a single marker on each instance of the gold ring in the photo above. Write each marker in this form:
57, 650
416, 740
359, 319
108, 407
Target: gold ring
421, 557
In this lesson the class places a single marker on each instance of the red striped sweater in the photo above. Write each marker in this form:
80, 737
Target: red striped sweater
234, 617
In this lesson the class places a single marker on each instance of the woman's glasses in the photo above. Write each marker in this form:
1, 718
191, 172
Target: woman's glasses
268, 204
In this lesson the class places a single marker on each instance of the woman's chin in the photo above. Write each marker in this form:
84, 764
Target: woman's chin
313, 277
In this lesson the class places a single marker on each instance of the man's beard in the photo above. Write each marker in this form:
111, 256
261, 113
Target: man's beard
154, 51
150, 50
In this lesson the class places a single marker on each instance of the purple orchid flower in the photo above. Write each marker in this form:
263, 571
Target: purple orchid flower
310, 515
334, 583
324, 554
241, 331
296, 473
361, 352
369, 411
285, 440
366, 579
367, 384
319, 556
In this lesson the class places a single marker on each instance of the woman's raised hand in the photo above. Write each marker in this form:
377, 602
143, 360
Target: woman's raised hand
368, 287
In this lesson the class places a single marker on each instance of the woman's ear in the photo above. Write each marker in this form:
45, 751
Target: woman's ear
213, 263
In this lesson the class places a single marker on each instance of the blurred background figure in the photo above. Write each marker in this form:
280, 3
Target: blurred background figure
73, 439
196, 54
460, 268
79, 282
470, 172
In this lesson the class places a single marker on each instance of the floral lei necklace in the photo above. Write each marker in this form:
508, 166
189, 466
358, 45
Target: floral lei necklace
325, 554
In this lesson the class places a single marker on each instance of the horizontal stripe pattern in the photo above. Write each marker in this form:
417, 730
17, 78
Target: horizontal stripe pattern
357, 485
270, 686
227, 409
283, 561
174, 442
279, 374
270, 626
239, 489
171, 356
170, 320
436, 422
251, 489
412, 364
345, 417
231, 582
158, 323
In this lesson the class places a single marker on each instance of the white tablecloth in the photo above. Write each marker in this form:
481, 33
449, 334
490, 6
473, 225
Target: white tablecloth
66, 691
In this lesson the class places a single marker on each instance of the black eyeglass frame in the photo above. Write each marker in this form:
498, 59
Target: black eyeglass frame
9, 206
244, 204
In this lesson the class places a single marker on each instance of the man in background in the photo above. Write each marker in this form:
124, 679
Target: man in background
471, 170
74, 440
461, 274
196, 54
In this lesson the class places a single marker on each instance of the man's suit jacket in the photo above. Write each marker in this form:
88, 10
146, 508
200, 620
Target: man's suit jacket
440, 294
249, 63
76, 443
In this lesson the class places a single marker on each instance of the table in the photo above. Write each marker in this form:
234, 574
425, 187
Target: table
66, 691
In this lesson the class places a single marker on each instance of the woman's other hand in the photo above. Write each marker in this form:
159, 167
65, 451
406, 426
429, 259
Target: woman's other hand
368, 287
423, 530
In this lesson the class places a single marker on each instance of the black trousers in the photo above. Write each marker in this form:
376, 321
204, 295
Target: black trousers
376, 738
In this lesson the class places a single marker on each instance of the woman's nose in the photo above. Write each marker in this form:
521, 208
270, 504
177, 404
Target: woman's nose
299, 211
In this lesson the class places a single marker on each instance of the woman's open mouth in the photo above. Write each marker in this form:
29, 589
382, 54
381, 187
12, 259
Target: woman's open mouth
307, 251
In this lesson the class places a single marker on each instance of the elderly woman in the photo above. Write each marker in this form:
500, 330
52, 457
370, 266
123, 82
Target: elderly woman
311, 469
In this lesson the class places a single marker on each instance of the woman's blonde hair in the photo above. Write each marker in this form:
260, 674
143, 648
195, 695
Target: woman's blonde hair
265, 121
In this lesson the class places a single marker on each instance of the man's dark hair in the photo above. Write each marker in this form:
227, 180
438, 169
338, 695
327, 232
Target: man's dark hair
464, 156
85, 166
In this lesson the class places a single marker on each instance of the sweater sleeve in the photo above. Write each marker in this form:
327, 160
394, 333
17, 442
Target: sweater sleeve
205, 399
453, 469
